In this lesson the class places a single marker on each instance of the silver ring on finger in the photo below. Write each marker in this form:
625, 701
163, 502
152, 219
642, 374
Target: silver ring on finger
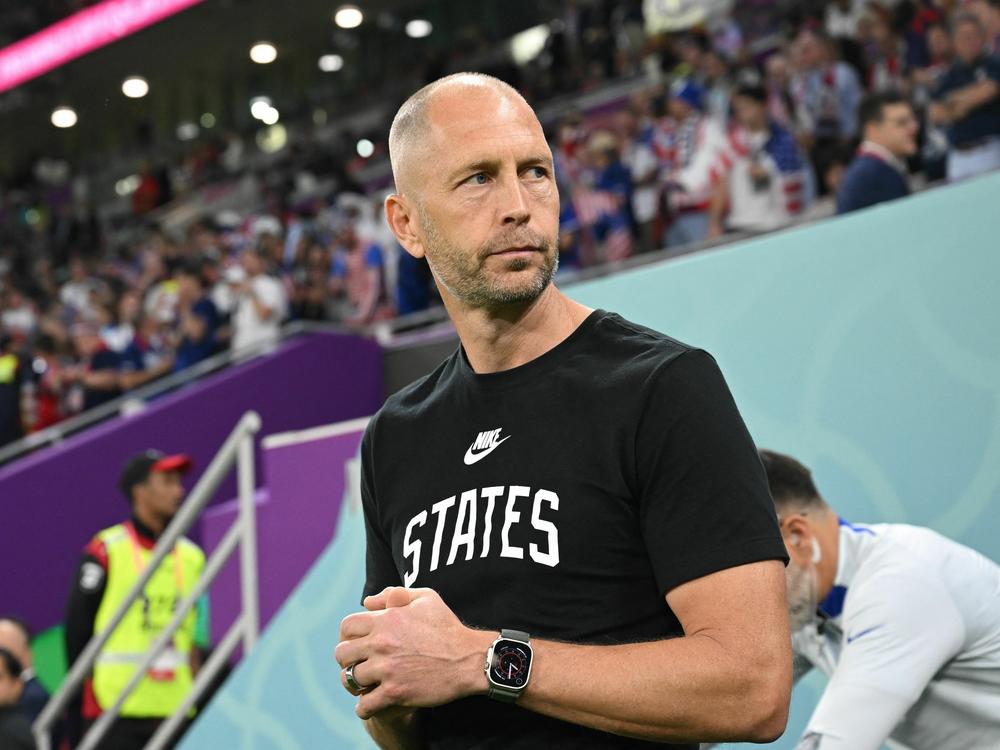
352, 683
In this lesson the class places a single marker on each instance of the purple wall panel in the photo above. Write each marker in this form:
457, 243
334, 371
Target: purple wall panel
52, 502
296, 519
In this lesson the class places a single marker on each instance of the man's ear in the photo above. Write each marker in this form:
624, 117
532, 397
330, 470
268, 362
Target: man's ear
798, 537
400, 213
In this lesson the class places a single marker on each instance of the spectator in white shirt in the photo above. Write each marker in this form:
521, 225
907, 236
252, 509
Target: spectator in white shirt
261, 304
760, 175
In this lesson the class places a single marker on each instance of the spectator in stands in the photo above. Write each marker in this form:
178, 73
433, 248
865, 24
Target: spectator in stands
109, 567
780, 106
199, 320
15, 637
760, 174
358, 275
967, 102
885, 56
97, 372
148, 356
15, 731
11, 372
310, 281
261, 303
606, 209
826, 93
988, 13
693, 145
75, 293
924, 81
718, 86
47, 372
644, 171
414, 284
878, 172
842, 17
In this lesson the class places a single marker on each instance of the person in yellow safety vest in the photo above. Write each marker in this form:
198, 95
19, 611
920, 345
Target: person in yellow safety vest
109, 567
11, 428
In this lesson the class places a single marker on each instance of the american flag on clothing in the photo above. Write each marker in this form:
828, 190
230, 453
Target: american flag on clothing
602, 214
782, 151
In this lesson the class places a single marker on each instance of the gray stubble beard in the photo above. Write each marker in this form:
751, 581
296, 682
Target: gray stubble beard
474, 288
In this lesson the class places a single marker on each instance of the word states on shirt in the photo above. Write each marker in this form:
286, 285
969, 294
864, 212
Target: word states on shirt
473, 512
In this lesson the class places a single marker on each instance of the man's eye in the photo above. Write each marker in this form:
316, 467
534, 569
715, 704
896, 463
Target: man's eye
538, 173
479, 178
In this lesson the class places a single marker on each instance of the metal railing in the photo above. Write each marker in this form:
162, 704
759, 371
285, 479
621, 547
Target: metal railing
237, 449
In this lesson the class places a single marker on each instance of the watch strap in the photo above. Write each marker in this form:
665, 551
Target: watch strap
515, 635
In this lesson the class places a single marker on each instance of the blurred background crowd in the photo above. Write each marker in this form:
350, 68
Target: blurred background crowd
123, 264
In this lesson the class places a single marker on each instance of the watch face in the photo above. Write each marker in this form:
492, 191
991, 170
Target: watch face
511, 664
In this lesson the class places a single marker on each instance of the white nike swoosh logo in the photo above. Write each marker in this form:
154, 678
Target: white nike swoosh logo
471, 458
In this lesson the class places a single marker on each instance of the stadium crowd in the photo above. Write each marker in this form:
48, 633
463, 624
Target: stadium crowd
740, 126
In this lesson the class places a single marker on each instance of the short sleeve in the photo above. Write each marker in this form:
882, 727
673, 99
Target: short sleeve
704, 501
380, 567
270, 293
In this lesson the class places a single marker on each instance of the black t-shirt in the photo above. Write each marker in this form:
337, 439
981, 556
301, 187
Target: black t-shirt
564, 498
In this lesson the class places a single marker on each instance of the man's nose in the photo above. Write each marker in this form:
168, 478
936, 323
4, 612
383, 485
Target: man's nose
514, 207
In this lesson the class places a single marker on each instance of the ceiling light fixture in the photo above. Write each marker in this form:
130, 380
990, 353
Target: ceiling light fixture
64, 117
348, 16
418, 28
135, 87
263, 53
331, 63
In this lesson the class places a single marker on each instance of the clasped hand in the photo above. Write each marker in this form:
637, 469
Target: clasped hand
409, 651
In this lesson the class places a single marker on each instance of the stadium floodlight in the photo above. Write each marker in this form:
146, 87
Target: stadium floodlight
64, 117
348, 16
271, 116
263, 53
331, 63
259, 106
418, 28
365, 148
135, 87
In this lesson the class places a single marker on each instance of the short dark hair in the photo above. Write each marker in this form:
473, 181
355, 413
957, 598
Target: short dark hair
11, 663
791, 483
872, 108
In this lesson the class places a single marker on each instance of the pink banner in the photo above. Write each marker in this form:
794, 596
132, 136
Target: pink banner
79, 34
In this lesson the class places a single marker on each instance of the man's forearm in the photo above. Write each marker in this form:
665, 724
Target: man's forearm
690, 688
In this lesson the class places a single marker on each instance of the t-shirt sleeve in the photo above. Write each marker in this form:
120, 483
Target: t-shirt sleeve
703, 496
380, 567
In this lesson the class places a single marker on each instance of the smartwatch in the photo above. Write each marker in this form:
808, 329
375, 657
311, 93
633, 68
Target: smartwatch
508, 665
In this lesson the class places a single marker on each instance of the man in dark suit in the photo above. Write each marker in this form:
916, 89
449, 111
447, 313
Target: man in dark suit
878, 172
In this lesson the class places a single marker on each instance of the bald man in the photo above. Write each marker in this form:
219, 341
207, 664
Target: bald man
16, 638
570, 542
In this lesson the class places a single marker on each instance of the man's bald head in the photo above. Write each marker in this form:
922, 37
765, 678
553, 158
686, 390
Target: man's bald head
16, 638
411, 125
